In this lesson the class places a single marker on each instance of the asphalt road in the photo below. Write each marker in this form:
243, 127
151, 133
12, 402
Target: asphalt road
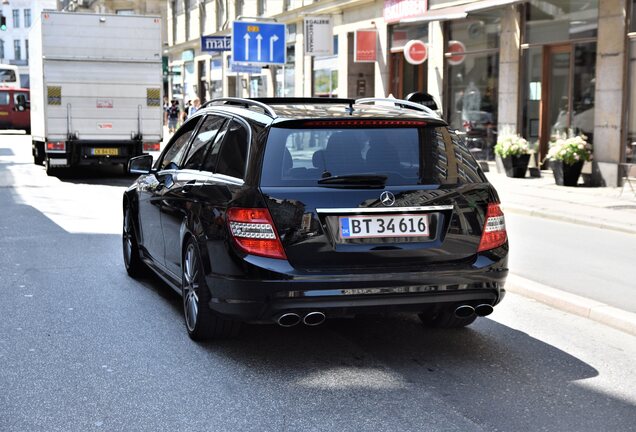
85, 348
591, 262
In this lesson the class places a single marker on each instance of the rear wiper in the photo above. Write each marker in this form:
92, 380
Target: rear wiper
368, 180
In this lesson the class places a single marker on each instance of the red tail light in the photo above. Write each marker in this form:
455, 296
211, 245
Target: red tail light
254, 232
56, 146
494, 233
151, 147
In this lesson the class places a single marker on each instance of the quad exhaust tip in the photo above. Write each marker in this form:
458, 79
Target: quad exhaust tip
314, 318
288, 319
483, 309
466, 311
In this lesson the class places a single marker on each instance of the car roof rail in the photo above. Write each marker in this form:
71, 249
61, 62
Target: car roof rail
304, 100
399, 103
243, 102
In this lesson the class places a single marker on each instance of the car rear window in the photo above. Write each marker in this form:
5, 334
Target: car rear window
406, 155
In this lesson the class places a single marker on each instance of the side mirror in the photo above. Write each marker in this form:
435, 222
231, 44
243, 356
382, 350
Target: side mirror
140, 164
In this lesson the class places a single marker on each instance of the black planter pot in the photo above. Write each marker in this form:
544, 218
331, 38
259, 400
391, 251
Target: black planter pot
516, 166
566, 175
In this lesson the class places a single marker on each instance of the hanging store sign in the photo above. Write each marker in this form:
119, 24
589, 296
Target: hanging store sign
318, 36
457, 51
415, 52
396, 10
365, 46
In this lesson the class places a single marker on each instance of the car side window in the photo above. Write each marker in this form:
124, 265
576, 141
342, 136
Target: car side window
4, 98
212, 155
175, 152
233, 154
203, 141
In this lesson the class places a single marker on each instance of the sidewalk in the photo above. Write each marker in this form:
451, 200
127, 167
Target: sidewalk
604, 208
598, 207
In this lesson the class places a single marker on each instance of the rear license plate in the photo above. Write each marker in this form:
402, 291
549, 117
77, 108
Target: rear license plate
377, 226
105, 152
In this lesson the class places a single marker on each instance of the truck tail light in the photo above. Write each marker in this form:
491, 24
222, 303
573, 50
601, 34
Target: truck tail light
494, 233
253, 231
151, 147
56, 146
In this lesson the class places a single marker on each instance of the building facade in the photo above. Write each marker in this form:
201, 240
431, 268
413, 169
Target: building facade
14, 41
539, 68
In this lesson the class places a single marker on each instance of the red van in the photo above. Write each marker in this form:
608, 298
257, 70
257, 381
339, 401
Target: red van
15, 109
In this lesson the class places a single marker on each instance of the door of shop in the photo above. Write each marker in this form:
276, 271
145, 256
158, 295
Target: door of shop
405, 77
567, 95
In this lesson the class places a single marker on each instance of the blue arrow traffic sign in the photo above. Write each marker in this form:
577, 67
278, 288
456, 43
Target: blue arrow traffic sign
258, 43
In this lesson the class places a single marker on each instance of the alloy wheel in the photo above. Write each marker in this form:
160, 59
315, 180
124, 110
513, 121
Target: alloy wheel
191, 287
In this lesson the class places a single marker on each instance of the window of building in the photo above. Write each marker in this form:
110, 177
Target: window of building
326, 73
220, 14
26, 49
16, 50
16, 18
27, 18
285, 75
472, 84
406, 78
186, 3
1, 49
175, 10
632, 22
549, 21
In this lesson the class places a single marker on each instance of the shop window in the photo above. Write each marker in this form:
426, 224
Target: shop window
472, 87
326, 73
630, 148
549, 21
285, 75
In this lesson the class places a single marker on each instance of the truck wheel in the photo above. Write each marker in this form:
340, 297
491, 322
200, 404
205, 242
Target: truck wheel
38, 153
201, 322
132, 260
52, 172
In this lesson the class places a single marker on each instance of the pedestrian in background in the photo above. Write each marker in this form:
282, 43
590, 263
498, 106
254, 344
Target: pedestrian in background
173, 115
196, 104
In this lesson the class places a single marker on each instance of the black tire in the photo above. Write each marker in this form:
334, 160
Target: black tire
132, 259
38, 160
51, 172
444, 318
201, 322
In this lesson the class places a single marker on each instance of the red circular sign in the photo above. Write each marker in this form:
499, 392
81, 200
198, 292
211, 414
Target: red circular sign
415, 52
457, 49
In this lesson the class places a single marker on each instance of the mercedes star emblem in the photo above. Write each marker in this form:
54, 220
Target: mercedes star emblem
387, 199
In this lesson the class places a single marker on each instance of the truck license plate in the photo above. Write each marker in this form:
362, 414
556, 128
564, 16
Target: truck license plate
105, 151
403, 225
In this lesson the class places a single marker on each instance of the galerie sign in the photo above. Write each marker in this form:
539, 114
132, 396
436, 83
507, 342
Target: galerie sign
318, 36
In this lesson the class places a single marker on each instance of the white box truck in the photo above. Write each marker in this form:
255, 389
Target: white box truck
96, 88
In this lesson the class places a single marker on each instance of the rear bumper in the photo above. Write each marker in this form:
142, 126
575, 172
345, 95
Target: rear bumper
343, 295
82, 153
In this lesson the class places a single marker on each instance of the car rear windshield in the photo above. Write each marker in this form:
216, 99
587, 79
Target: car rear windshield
404, 155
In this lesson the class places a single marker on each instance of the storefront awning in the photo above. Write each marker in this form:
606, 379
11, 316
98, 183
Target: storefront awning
459, 12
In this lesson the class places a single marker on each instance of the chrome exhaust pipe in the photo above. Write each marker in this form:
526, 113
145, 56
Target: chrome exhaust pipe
289, 319
314, 318
483, 310
464, 311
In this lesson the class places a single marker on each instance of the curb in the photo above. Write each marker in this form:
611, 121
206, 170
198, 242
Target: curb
572, 303
565, 218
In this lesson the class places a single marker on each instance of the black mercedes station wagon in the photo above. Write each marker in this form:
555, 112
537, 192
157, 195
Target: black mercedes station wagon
296, 210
